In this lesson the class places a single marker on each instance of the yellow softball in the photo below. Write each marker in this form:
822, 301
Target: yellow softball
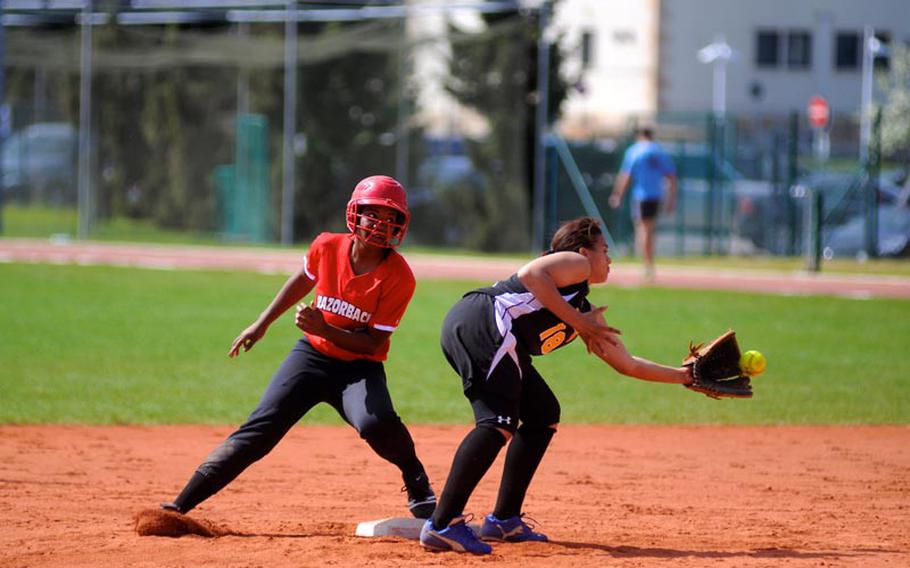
752, 363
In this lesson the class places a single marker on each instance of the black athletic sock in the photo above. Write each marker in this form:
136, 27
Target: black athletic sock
197, 490
473, 458
528, 447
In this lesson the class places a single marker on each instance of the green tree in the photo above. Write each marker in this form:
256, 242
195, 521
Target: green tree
895, 85
347, 100
186, 122
495, 74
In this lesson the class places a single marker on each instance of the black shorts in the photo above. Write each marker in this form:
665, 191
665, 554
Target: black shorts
511, 393
647, 209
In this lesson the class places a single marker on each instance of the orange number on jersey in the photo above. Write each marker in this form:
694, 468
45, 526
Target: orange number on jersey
552, 338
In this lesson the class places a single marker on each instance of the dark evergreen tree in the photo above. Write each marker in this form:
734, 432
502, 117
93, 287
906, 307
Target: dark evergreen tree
495, 73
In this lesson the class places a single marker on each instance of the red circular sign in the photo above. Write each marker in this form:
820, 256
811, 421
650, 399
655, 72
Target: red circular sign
819, 112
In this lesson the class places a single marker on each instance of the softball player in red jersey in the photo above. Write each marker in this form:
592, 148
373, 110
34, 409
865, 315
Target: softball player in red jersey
362, 289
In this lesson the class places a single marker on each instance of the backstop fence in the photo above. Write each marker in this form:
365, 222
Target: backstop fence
187, 137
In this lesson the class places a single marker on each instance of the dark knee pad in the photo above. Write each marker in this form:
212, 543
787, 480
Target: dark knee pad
544, 414
376, 427
537, 433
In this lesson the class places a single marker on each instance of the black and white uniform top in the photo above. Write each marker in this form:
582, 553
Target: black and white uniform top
505, 322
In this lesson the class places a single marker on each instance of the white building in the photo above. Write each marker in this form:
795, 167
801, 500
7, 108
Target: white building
639, 56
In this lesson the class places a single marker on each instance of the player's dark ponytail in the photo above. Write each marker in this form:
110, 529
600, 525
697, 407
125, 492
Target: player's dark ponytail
575, 234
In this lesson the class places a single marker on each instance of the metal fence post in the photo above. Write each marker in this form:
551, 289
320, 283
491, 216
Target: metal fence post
814, 224
680, 208
792, 175
774, 238
541, 126
84, 193
288, 155
708, 230
552, 189
873, 170
2, 99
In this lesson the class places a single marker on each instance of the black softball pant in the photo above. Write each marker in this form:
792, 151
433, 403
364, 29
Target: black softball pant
356, 389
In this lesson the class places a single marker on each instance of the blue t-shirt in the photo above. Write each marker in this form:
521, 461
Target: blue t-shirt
647, 164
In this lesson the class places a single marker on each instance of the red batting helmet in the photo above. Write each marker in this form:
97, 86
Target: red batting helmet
384, 191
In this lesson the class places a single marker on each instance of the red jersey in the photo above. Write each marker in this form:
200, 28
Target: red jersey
376, 299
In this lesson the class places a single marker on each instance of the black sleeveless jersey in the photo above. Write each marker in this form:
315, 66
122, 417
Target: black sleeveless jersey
525, 323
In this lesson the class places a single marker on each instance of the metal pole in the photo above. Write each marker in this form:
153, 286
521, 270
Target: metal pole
540, 125
85, 123
680, 200
243, 74
774, 244
814, 223
865, 128
792, 175
403, 147
552, 190
290, 112
712, 182
2, 102
720, 86
873, 171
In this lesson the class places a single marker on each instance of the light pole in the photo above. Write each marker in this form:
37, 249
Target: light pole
540, 125
290, 121
718, 54
84, 181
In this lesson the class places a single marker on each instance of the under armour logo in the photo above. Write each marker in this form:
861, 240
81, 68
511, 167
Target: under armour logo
504, 419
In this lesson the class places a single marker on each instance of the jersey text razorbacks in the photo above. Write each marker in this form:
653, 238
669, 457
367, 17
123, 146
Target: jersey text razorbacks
342, 308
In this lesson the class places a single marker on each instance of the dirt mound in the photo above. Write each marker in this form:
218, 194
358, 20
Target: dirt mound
159, 522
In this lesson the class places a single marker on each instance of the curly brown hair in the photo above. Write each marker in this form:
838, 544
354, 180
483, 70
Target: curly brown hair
575, 234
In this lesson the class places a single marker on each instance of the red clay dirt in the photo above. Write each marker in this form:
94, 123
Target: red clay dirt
622, 496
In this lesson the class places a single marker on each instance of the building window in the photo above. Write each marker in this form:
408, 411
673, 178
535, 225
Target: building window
587, 49
767, 49
799, 49
846, 51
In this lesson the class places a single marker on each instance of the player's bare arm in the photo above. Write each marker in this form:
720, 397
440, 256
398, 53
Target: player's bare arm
617, 356
619, 189
365, 340
297, 286
543, 276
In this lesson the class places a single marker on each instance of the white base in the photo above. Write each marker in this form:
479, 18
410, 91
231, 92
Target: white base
404, 527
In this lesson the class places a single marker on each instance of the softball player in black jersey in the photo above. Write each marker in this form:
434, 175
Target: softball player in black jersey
489, 338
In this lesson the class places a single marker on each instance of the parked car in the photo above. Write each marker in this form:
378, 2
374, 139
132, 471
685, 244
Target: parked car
39, 163
771, 219
848, 240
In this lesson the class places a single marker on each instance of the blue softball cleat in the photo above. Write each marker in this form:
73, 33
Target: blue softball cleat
513, 529
458, 536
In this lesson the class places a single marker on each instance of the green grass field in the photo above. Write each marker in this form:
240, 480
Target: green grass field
106, 345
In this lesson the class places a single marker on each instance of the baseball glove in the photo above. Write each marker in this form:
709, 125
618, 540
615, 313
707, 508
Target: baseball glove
715, 368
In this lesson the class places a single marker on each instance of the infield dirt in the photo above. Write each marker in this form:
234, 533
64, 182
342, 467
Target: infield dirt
623, 496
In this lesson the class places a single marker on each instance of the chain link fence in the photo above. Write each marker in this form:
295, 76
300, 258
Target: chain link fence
187, 138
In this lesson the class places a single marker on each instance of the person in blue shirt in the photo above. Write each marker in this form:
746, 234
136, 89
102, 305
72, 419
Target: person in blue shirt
645, 166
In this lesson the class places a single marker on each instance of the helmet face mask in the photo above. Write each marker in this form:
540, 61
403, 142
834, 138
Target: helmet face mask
376, 229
